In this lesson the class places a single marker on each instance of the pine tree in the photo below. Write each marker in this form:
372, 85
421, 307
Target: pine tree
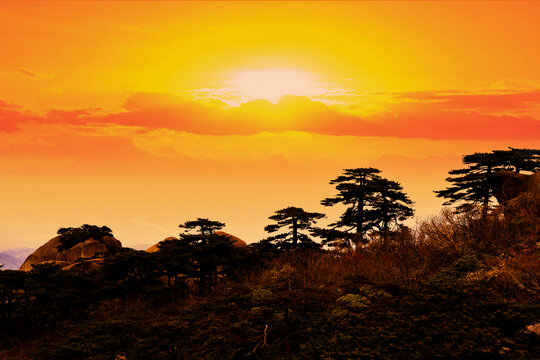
296, 220
474, 185
518, 160
70, 236
356, 188
373, 202
391, 205
203, 226
209, 253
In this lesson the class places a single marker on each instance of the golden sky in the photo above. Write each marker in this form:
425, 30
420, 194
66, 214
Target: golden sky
142, 115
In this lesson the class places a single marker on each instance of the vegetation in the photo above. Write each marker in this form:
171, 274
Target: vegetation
70, 236
206, 255
518, 159
297, 220
474, 185
372, 201
462, 285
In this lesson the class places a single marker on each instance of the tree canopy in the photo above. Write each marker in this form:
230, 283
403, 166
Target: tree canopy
70, 236
518, 160
372, 201
356, 189
296, 220
203, 226
473, 185
391, 205
201, 252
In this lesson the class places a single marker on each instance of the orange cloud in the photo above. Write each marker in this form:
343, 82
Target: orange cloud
10, 116
491, 102
142, 182
428, 115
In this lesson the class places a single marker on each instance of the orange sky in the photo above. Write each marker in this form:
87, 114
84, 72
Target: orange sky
142, 115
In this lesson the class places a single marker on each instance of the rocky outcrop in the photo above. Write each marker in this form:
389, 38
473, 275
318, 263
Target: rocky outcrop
155, 247
86, 249
237, 242
85, 266
508, 185
535, 329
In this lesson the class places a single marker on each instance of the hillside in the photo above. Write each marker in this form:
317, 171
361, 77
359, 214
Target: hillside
464, 284
469, 293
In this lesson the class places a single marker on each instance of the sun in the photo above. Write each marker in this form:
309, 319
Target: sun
272, 84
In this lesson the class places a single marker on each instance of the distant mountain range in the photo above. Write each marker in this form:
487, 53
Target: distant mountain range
13, 258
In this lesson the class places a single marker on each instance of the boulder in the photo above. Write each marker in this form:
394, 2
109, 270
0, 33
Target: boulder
60, 263
49, 252
508, 185
237, 242
88, 265
155, 247
535, 329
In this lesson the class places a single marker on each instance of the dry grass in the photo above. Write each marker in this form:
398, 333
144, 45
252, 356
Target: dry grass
394, 259
505, 244
310, 268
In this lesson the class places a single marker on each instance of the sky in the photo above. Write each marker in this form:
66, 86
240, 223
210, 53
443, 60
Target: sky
143, 115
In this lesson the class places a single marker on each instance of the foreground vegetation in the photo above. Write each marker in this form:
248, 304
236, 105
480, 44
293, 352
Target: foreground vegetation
462, 285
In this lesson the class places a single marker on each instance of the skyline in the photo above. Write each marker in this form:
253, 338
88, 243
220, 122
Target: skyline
140, 116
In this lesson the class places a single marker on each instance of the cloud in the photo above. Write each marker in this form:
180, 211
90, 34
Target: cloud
22, 73
25, 72
428, 115
492, 102
6, 105
10, 116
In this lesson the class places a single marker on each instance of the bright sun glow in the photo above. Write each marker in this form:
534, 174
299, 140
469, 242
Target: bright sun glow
271, 84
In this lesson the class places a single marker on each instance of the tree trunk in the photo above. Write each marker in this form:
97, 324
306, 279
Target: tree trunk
360, 216
295, 233
487, 193
384, 212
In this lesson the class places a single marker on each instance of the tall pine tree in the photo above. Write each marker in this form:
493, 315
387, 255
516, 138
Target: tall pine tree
372, 201
356, 189
209, 253
390, 206
296, 220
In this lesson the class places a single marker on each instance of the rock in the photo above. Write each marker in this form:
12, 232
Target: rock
155, 247
535, 329
87, 249
508, 185
237, 242
85, 265
62, 264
